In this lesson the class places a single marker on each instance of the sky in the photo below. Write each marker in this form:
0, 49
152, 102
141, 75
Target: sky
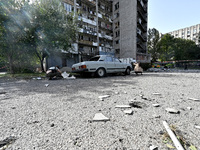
170, 15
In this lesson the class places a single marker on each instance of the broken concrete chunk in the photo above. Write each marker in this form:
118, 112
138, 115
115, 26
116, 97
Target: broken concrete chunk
104, 96
156, 94
122, 106
156, 105
137, 104
172, 110
152, 147
46, 85
100, 117
189, 108
194, 99
116, 92
156, 116
125, 92
129, 112
198, 127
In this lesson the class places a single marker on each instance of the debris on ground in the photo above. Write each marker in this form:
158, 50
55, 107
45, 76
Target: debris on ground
103, 97
152, 147
172, 110
194, 99
65, 75
198, 127
100, 117
156, 105
156, 116
156, 94
189, 108
4, 144
46, 85
122, 106
137, 104
39, 78
128, 112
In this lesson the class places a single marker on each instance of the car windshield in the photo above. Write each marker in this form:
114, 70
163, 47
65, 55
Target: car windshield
95, 58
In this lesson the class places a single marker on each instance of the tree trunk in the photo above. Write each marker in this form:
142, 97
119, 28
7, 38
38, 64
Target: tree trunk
11, 66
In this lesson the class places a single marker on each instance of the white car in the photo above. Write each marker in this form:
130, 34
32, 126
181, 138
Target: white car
101, 65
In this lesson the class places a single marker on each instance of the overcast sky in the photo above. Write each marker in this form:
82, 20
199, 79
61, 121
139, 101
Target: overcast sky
170, 15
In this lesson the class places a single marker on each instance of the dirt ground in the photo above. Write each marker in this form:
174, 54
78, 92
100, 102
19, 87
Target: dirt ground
59, 116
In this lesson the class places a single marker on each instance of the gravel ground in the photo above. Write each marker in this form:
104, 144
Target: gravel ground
59, 117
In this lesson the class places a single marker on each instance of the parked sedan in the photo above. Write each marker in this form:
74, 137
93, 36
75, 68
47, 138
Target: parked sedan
101, 65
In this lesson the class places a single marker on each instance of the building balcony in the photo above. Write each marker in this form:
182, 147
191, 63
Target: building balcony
92, 22
84, 42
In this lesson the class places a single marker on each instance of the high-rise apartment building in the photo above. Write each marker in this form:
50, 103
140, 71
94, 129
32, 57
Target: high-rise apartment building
189, 33
113, 27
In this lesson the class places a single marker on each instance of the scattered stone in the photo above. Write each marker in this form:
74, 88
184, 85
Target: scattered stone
46, 85
152, 147
52, 125
156, 105
194, 99
137, 104
129, 112
156, 94
7, 142
198, 127
172, 110
189, 108
100, 117
122, 106
39, 78
103, 97
125, 92
116, 92
156, 116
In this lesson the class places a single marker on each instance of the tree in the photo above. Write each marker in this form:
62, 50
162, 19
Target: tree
12, 31
152, 43
52, 30
166, 47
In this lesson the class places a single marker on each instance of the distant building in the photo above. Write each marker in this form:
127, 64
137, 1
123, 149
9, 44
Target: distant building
113, 27
190, 33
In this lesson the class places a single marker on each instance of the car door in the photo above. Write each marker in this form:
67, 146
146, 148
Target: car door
110, 64
119, 66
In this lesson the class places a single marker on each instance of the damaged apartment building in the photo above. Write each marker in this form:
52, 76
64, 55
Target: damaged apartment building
110, 27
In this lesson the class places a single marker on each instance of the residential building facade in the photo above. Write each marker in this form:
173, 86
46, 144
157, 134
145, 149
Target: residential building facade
189, 33
112, 27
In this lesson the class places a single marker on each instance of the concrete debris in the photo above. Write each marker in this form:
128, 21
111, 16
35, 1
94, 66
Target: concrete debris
128, 112
156, 105
156, 94
67, 76
156, 116
122, 106
125, 92
189, 108
152, 147
100, 117
194, 99
137, 104
116, 92
103, 97
172, 110
7, 141
39, 78
46, 85
198, 127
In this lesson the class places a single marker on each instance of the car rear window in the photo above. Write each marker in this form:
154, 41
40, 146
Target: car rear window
95, 58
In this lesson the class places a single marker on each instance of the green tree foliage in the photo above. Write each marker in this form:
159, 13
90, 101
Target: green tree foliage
36, 29
52, 29
166, 47
152, 43
12, 31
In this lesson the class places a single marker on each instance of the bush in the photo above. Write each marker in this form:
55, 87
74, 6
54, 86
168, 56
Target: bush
145, 66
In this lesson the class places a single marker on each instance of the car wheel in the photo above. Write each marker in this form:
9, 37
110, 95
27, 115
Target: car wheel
128, 71
101, 72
